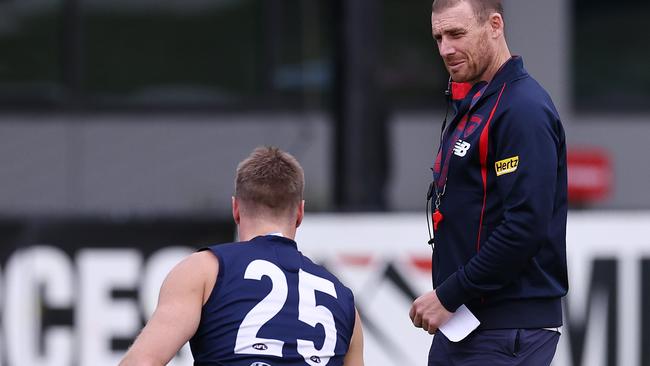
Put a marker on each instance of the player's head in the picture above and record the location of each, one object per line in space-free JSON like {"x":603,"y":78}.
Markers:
{"x":469,"y":34}
{"x":269,"y":185}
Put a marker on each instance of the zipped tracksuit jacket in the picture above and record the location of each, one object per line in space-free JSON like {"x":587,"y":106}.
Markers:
{"x":501,"y":173}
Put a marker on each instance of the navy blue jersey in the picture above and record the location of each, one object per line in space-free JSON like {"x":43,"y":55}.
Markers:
{"x":273,"y":306}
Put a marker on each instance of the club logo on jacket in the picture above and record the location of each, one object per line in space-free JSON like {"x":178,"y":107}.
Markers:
{"x":461,"y":147}
{"x":506,"y":166}
{"x":472,"y":125}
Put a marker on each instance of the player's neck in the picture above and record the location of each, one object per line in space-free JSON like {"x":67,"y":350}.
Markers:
{"x":249,"y":229}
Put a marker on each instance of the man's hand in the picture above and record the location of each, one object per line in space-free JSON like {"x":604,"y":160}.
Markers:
{"x":428,"y":313}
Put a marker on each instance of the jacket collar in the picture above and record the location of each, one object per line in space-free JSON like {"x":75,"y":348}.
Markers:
{"x":511,"y":70}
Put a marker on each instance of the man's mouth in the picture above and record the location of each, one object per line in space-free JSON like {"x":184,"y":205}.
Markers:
{"x":455,"y":65}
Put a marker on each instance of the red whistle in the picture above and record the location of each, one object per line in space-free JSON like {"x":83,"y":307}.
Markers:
{"x":437,"y":217}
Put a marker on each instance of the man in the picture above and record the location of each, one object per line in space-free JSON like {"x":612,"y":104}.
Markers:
{"x":500,"y":200}
{"x":258,"y":302}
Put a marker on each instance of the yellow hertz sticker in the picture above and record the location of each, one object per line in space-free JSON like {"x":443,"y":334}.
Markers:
{"x":506,"y":166}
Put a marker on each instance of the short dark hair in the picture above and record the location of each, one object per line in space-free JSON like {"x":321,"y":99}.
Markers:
{"x":270,"y":180}
{"x":482,"y":8}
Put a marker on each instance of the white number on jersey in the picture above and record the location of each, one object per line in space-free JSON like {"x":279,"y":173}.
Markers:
{"x":312,"y":314}
{"x":247,"y":341}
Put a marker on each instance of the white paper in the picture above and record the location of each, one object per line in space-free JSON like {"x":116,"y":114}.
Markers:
{"x":460,"y":325}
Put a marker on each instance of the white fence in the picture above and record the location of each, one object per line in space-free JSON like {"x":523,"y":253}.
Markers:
{"x":384,"y":259}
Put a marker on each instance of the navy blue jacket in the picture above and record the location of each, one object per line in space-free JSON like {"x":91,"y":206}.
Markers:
{"x":500,"y":247}
{"x":273,"y":306}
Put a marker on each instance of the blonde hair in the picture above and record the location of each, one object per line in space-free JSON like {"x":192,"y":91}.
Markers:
{"x":269,"y":180}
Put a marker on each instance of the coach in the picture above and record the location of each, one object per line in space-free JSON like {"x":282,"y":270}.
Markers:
{"x":499,"y":199}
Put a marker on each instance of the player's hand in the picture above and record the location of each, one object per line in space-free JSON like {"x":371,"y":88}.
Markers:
{"x":428,"y":313}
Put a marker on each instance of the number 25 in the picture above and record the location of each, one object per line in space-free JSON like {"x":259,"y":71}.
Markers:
{"x":247,"y":341}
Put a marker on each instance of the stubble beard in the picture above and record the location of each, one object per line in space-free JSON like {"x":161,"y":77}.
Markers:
{"x":485,"y":56}
{"x":476,"y":63}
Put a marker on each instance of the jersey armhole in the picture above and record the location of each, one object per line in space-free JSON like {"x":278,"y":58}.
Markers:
{"x":220,"y":275}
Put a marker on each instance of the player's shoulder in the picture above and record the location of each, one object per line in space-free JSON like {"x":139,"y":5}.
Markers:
{"x":315,"y":268}
{"x":194,"y":273}
{"x":220,"y":250}
{"x":200,"y":262}
{"x":223,"y":246}
{"x":319,"y":270}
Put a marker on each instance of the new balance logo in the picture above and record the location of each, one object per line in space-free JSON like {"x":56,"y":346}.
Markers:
{"x":461,"y":147}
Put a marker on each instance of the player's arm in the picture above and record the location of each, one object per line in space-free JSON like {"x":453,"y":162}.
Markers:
{"x":178,"y":313}
{"x":354,"y":357}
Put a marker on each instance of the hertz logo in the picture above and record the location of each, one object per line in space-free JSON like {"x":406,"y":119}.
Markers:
{"x":506,"y":166}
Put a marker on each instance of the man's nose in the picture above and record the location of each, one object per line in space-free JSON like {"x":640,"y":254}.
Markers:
{"x":446,"y":48}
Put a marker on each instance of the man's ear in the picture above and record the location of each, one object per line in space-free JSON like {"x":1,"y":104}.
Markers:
{"x":235,"y":210}
{"x":301,"y":213}
{"x":496,"y":24}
